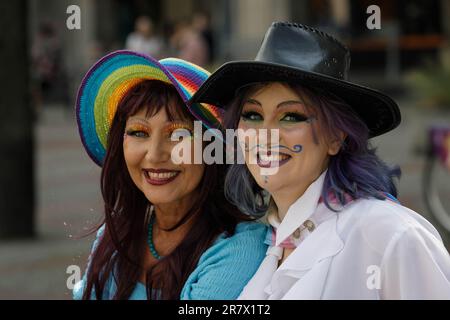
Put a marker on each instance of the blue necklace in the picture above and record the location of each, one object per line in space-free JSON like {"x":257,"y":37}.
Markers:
{"x":151,"y":245}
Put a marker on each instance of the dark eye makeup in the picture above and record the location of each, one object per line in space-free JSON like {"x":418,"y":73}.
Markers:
{"x":251,"y":116}
{"x":294,"y":117}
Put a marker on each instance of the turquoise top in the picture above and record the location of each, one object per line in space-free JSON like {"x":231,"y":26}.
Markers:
{"x":222,"y":271}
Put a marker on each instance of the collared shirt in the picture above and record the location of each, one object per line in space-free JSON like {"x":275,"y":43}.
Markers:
{"x":300,"y":224}
{"x":370,"y":249}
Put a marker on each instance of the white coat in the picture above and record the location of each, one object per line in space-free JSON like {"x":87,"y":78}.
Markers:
{"x":371,"y":249}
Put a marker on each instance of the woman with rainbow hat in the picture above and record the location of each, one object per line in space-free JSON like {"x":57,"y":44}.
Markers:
{"x":168,"y":231}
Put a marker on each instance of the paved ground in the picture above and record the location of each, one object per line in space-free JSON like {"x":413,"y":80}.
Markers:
{"x":69,"y":201}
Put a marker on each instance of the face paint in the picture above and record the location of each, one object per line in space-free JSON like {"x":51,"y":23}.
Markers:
{"x":295,"y":149}
{"x":180,"y":130}
{"x":278,"y":107}
{"x":259,"y":146}
{"x":137,"y":130}
{"x":147,"y":153}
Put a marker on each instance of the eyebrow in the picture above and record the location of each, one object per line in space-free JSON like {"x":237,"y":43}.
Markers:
{"x":281,"y":104}
{"x":143,"y":121}
{"x":139,"y":121}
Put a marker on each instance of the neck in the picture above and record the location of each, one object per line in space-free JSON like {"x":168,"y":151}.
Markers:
{"x":284,"y":198}
{"x":168,"y":215}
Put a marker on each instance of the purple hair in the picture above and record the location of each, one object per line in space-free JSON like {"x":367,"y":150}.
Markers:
{"x":355,"y":171}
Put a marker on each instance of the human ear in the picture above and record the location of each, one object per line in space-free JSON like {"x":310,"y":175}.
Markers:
{"x":336,"y":144}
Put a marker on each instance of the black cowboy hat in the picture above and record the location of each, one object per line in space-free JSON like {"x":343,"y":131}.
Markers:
{"x":293,"y":52}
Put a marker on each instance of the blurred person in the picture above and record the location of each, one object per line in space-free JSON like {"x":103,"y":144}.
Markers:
{"x":337,"y":229}
{"x":201,"y":22}
{"x":143,"y":39}
{"x":46,"y":63}
{"x":188,"y":43}
{"x":168,"y":231}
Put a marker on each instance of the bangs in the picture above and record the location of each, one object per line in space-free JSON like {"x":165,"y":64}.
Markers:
{"x":153,"y":96}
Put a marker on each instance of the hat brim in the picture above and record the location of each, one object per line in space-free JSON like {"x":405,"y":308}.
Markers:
{"x":380,"y":113}
{"x":109,"y":79}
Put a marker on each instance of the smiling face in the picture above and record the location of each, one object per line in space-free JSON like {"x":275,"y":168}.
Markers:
{"x":147,"y":148}
{"x":301,"y":154}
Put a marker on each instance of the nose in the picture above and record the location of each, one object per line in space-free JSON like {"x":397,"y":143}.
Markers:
{"x":157,"y":149}
{"x":271,"y":134}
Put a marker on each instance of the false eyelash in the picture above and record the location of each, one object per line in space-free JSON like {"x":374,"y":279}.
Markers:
{"x":134,"y":133}
{"x":246,"y":115}
{"x":299,"y":116}
{"x":174,"y":126}
{"x":136,"y":128}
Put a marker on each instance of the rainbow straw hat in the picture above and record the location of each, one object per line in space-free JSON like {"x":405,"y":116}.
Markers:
{"x":112,"y":76}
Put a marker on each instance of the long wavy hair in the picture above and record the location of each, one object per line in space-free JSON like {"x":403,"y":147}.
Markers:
{"x":120,"y":251}
{"x":355,"y":171}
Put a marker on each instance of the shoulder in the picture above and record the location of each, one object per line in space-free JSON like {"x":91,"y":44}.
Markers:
{"x":78,"y":289}
{"x":245,"y":249}
{"x":98,"y":237}
{"x":380,"y":222}
{"x":252,"y":229}
{"x":100,"y":231}
{"x":228,"y":264}
{"x":248,"y":237}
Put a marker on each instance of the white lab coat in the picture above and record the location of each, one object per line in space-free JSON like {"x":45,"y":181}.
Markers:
{"x":371,"y":249}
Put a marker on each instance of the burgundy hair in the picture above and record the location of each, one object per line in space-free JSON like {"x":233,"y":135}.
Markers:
{"x":120,"y":251}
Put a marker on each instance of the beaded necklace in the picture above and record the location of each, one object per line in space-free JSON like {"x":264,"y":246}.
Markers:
{"x":151,"y":245}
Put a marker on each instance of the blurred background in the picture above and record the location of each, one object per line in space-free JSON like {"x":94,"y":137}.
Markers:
{"x":49,"y":188}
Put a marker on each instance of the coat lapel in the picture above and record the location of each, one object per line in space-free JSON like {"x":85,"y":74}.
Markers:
{"x":303,"y":273}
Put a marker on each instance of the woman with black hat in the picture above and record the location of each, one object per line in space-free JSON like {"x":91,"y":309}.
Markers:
{"x":338,"y":231}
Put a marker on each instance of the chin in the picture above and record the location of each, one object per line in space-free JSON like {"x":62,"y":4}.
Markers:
{"x":274,"y":182}
{"x":159,"y":197}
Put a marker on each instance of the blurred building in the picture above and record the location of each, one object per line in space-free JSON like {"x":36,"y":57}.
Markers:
{"x":67,"y":192}
{"x":409,"y":29}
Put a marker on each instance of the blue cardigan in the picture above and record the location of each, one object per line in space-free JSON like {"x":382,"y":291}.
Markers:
{"x":222,"y":271}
